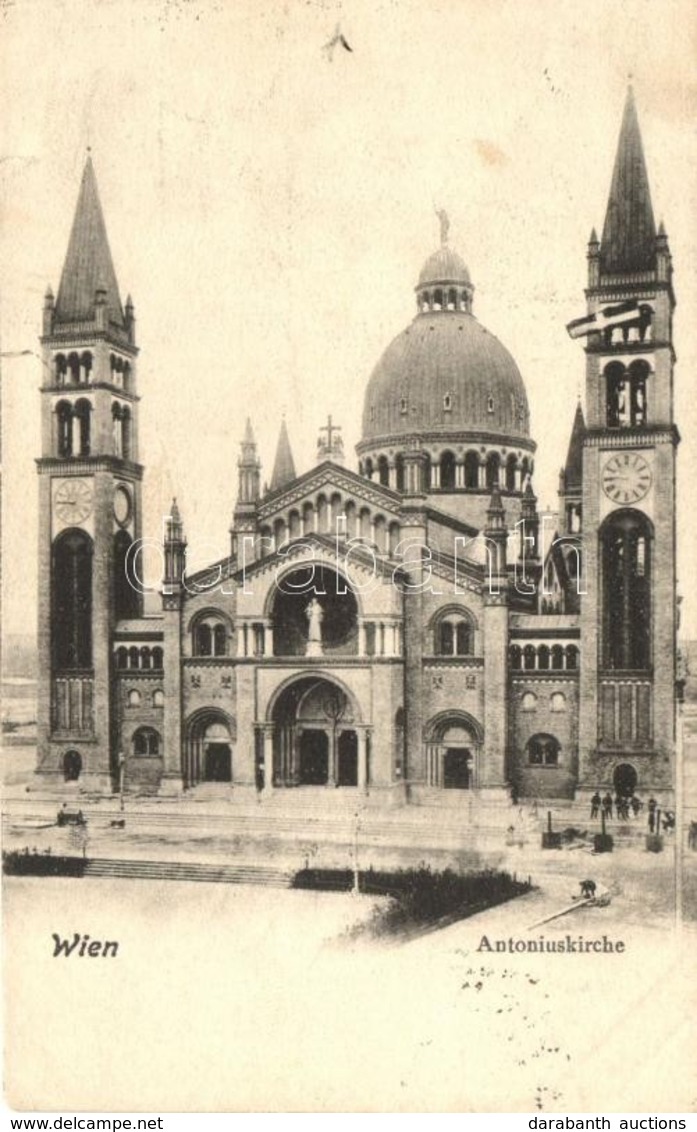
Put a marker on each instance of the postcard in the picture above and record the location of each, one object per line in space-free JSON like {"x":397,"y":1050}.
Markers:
{"x":349,"y":703}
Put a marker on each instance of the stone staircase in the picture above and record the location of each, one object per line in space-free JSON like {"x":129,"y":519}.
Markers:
{"x":186,"y":871}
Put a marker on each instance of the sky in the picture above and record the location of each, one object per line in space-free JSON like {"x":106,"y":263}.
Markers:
{"x":269,"y":207}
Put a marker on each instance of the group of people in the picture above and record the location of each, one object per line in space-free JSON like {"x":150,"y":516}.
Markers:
{"x":622,"y":805}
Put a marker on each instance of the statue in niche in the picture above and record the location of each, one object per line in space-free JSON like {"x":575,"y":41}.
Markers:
{"x":314,"y":614}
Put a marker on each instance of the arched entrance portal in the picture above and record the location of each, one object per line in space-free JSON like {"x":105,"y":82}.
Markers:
{"x":453,"y":740}
{"x":209,"y":748}
{"x":317,"y":740}
{"x":624,"y":779}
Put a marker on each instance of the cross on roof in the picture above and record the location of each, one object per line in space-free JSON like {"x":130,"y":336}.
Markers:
{"x":330,"y":429}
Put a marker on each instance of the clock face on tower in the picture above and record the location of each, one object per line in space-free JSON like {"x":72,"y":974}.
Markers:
{"x":626,"y":477}
{"x":122,"y":505}
{"x":73,"y":501}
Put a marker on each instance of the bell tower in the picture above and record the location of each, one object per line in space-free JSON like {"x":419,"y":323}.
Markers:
{"x":627,"y":491}
{"x":89,"y":500}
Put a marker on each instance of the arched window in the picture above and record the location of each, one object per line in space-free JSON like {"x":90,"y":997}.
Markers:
{"x":64,"y":424}
{"x":557,"y":656}
{"x":145,"y":658}
{"x":543,"y":658}
{"x":471,"y":470}
{"x":462,"y":638}
{"x":426,"y":473}
{"x":74,"y":368}
{"x":529,"y":658}
{"x":122,"y":658}
{"x":203,"y":640}
{"x":543,"y":750}
{"x":452,"y":300}
{"x":625,"y":391}
{"x":528,"y":701}
{"x":511,"y":464}
{"x":60,"y":367}
{"x":447,"y":471}
{"x":493,"y":464}
{"x":134,"y":698}
{"x":126,"y":602}
{"x":210,"y":636}
{"x":446,"y":639}
{"x":454,"y":634}
{"x":158,"y":698}
{"x":515,"y":656}
{"x":393,"y":537}
{"x":71,"y":600}
{"x":571,"y":657}
{"x":146,"y":741}
{"x":86,"y":367}
{"x":293,"y":524}
{"x":133,"y":657}
{"x":557,"y":701}
{"x":404,"y":406}
{"x":638,"y":373}
{"x":626,"y":571}
{"x":157,"y":657}
{"x":126,"y":433}
{"x":117,"y":430}
{"x":82,"y":412}
{"x":448,"y":403}
{"x":383,"y":471}
{"x":438,"y":300}
{"x":399,"y":472}
{"x":368,"y":469}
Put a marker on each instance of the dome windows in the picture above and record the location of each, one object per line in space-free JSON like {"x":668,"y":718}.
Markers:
{"x":404,"y":406}
{"x":448,"y":403}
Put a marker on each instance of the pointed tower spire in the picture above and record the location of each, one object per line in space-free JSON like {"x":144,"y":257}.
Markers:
{"x":573,"y":468}
{"x":88,"y":266}
{"x":629,"y":232}
{"x":284,"y":465}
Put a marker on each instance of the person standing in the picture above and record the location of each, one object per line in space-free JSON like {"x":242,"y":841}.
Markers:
{"x":596,"y":801}
{"x":607,"y":805}
{"x":652,"y":813}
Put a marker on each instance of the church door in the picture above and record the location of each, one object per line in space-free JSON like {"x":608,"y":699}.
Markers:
{"x":72,"y":765}
{"x":347,"y":750}
{"x":456,"y":768}
{"x":624,"y":780}
{"x":314,"y":758}
{"x":218,"y":763}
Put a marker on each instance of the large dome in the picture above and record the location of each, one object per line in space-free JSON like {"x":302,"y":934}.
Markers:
{"x":446,"y":373}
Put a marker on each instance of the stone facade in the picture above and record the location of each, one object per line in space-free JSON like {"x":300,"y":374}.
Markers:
{"x":414,"y":631}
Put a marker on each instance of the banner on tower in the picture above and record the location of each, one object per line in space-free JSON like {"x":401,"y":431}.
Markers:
{"x":615,"y":315}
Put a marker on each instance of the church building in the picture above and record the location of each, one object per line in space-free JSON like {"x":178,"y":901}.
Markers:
{"x":411,"y":629}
